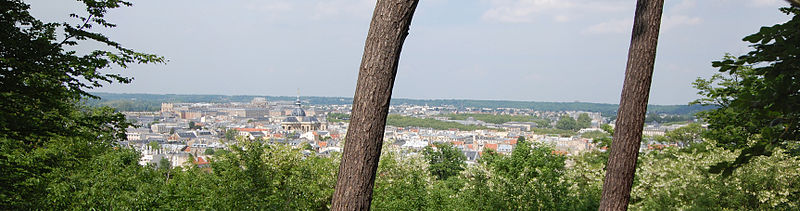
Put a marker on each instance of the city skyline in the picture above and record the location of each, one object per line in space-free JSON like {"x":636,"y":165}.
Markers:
{"x":544,"y":51}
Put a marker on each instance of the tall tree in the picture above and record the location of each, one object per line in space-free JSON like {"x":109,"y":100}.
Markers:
{"x":49,"y":141}
{"x":566,"y":123}
{"x":584,"y":121}
{"x":758,"y":106}
{"x":445,"y":161}
{"x":387,"y":32}
{"x":633,"y":105}
{"x":42,"y":77}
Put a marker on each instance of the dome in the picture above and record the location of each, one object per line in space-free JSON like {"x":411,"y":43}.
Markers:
{"x":290,"y":120}
{"x":310,"y":119}
{"x":298,"y":112}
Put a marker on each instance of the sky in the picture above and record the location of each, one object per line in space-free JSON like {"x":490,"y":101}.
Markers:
{"x":526,"y":50}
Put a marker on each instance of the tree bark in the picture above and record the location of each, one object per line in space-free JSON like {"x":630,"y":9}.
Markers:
{"x":387,"y":32}
{"x":632,"y":106}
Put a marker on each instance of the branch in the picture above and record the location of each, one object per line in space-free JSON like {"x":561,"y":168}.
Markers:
{"x":85,"y":23}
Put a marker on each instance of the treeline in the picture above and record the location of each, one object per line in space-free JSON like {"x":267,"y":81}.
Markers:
{"x":126,"y":105}
{"x":499,"y":119}
{"x":405,"y":121}
{"x":605,"y":109}
{"x":668,"y":118}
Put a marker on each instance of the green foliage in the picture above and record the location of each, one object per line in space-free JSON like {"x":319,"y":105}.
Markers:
{"x":64,"y":174}
{"x":194,"y":126}
{"x":683,"y":136}
{"x":584,"y":121}
{"x":675,"y":180}
{"x":445,"y":161}
{"x":31,"y":166}
{"x":405,"y":121}
{"x":256,"y":176}
{"x":126,"y":104}
{"x":230,"y":134}
{"x":42,"y":80}
{"x":605,"y":141}
{"x":307,"y":146}
{"x":499,"y":119}
{"x":338,"y":117}
{"x":678,"y":179}
{"x":757,"y":99}
{"x":528,"y":179}
{"x":567,"y":123}
{"x":209,"y":151}
{"x":554,"y":131}
{"x":586,"y":179}
{"x":164,"y":164}
{"x":667,"y":118}
{"x":595,"y":135}
{"x":154,"y":145}
{"x":401,"y":183}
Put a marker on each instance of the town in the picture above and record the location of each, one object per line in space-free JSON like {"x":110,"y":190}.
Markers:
{"x":183,"y":134}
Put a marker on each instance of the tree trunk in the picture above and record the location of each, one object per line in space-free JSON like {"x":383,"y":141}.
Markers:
{"x":387,"y":31}
{"x":632,"y":106}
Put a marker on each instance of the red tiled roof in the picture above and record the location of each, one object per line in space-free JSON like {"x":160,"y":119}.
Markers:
{"x":511,"y":142}
{"x":491,"y":146}
{"x":200,"y":161}
{"x":250,"y":129}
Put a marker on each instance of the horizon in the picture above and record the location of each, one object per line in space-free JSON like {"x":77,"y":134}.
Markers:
{"x":404,"y":98}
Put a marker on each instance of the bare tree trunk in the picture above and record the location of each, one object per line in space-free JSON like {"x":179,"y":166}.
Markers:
{"x":632,"y":106}
{"x":387,"y":31}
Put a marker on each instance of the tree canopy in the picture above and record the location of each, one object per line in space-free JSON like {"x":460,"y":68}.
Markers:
{"x":50,"y":143}
{"x":444,"y":161}
{"x":757,"y":95}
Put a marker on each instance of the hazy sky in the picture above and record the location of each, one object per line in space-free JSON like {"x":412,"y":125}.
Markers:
{"x":531,"y":50}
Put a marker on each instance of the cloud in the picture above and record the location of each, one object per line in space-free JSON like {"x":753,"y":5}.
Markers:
{"x":670,"y":22}
{"x":762,"y":3}
{"x":522,"y":10}
{"x":335,"y":8}
{"x":311,"y":10}
{"x":621,"y":26}
{"x":525,"y":11}
{"x":683,"y":6}
{"x":618,"y":26}
{"x":270,"y":6}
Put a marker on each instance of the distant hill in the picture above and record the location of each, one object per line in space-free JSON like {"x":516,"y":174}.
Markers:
{"x":152,"y":102}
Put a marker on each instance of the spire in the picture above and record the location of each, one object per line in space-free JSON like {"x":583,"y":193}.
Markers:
{"x":299,"y":110}
{"x":298,"y":98}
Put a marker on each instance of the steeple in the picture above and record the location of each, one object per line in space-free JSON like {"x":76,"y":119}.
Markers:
{"x":298,"y":98}
{"x":299,"y":110}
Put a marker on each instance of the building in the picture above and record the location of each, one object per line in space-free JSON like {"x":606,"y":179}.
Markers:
{"x":167,"y":107}
{"x":298,"y":121}
{"x":249,"y":112}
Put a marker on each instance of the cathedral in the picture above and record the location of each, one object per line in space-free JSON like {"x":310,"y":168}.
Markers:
{"x":298,"y":121}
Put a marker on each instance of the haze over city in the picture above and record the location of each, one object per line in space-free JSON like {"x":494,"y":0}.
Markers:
{"x":531,"y":50}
